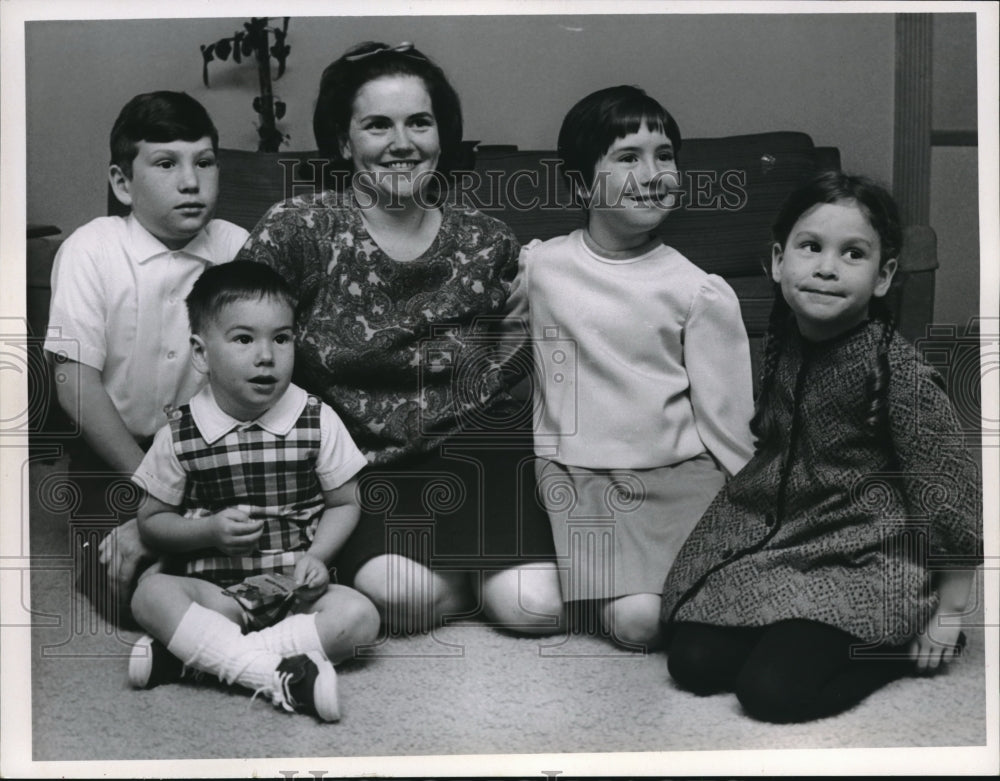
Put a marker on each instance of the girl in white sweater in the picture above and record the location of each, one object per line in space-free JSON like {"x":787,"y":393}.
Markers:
{"x":645,"y":391}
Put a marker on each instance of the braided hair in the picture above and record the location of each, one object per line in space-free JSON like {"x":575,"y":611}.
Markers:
{"x":880,"y":209}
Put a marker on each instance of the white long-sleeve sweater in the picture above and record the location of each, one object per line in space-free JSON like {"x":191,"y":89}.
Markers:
{"x":642,"y":361}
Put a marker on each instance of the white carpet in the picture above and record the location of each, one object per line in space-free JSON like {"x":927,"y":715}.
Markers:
{"x":464,"y":690}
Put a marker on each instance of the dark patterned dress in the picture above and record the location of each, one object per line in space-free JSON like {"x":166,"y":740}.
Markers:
{"x":862,"y":523}
{"x":409,"y":356}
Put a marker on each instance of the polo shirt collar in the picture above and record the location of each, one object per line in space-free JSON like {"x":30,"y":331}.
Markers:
{"x":146,"y":246}
{"x":213,"y":423}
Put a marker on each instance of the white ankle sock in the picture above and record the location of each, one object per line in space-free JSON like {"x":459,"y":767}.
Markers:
{"x":210,"y":642}
{"x":296,"y":634}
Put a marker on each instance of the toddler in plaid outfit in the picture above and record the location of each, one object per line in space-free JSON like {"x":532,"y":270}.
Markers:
{"x":253,"y":476}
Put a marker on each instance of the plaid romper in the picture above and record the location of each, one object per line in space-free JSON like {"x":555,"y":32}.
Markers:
{"x":263,"y":474}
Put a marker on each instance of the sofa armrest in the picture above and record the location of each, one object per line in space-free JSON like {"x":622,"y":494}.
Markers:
{"x":918,"y":265}
{"x":39,"y":257}
{"x":47,"y":423}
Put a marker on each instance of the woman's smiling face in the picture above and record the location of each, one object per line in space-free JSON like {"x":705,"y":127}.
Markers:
{"x":393,"y":136}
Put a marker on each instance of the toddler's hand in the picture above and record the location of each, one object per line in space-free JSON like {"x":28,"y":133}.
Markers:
{"x":312,"y":578}
{"x":235,"y":532}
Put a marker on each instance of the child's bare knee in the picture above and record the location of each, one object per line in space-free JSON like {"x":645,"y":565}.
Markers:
{"x":147,"y":590}
{"x":360,"y":616}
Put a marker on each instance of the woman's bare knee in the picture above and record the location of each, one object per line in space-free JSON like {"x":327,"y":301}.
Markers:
{"x":409,"y":596}
{"x":633,"y":621}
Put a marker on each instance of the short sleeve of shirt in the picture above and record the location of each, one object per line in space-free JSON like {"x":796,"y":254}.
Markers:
{"x":160,"y":473}
{"x":339,"y":458}
{"x":79,"y":305}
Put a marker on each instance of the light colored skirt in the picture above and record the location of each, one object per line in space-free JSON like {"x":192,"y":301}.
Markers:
{"x":617,"y":531}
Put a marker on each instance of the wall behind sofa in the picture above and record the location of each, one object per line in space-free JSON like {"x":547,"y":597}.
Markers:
{"x":829,"y":75}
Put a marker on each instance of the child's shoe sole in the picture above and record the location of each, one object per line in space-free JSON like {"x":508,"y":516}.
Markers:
{"x":151,"y":664}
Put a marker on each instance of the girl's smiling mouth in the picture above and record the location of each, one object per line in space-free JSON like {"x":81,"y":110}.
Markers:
{"x":820,"y":292}
{"x":654,"y":200}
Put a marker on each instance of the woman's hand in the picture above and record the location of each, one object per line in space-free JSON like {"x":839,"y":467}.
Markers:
{"x":311,"y":578}
{"x":234,"y":532}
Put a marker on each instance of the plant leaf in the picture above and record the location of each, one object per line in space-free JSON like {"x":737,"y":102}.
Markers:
{"x":207,"y":55}
{"x":223,"y":48}
{"x":280,"y":53}
{"x":279,"y":109}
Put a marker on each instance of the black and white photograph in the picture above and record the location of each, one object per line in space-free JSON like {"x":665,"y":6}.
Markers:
{"x":517,"y":389}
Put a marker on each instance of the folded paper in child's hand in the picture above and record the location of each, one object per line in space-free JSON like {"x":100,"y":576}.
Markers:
{"x":259,"y":592}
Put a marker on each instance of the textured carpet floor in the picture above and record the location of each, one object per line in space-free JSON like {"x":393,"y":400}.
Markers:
{"x":465,"y":689}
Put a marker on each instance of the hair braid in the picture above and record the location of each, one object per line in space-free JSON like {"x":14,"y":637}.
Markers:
{"x":762,"y":425}
{"x":877,"y":381}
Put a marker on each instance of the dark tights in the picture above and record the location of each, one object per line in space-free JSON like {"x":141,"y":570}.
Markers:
{"x":790,"y":671}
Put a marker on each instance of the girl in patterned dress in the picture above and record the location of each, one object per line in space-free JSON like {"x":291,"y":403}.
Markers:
{"x":398,"y":290}
{"x":841,"y":556}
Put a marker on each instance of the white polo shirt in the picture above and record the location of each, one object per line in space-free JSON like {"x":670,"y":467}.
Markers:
{"x":118,"y":306}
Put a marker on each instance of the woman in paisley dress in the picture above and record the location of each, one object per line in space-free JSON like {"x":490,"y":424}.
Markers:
{"x":400,"y":293}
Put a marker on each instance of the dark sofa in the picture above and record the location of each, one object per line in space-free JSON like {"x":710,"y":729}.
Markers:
{"x":732,"y":188}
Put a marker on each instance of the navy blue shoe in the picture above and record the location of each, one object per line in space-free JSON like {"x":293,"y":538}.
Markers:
{"x":307,"y":683}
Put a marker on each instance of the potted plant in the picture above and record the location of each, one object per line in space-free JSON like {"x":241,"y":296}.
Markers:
{"x":254,"y":41}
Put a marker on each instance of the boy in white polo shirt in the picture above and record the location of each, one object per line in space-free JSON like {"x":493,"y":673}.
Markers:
{"x":118,"y":319}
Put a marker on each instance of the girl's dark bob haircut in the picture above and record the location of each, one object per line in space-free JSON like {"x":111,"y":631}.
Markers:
{"x":366,"y":62}
{"x":600,"y":119}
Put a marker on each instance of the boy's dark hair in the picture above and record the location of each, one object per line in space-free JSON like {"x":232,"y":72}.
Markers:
{"x":879,"y":207}
{"x":158,"y":117}
{"x":598,"y":120}
{"x":226,"y":283}
{"x":366,"y":62}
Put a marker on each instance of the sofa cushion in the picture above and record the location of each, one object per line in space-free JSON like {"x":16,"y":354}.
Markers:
{"x":733,"y":188}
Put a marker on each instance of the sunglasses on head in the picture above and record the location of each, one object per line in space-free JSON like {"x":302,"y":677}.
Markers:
{"x":405,"y":48}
